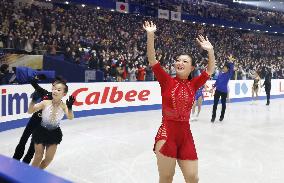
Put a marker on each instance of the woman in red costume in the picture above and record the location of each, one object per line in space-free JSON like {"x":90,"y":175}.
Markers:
{"x":174,"y":141}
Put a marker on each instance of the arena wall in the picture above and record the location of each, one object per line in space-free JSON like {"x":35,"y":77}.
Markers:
{"x":113,"y":97}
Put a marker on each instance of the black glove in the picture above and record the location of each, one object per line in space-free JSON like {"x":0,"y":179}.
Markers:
{"x":35,"y":96}
{"x":70,"y":102}
{"x":34,"y":84}
{"x":42,"y":92}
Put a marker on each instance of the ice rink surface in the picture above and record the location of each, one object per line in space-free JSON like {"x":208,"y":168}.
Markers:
{"x":247,"y":147}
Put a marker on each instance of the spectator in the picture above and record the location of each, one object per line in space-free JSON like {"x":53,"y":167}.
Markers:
{"x":141,"y":73}
{"x":35,"y":28}
{"x":131,"y":73}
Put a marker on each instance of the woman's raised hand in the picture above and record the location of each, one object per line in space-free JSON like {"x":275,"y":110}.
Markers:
{"x":150,"y":27}
{"x":204,"y":43}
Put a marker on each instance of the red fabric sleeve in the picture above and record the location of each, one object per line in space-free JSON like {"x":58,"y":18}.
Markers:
{"x":199,"y":81}
{"x":162,"y":76}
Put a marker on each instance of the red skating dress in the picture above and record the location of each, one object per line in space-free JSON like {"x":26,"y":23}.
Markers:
{"x":177,"y":100}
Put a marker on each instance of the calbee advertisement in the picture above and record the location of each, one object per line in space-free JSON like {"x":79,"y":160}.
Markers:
{"x":14,"y":99}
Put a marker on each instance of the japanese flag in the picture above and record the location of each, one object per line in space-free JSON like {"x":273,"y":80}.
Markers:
{"x":122,"y":7}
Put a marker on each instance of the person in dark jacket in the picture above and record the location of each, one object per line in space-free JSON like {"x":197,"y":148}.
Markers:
{"x":267,"y":85}
{"x":4,"y":74}
{"x":221,"y":86}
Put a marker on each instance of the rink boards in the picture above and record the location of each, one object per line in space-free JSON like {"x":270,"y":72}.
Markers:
{"x":112,"y":97}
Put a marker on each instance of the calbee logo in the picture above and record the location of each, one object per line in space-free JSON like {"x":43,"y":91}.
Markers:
{"x":109,"y":95}
{"x":13,"y":103}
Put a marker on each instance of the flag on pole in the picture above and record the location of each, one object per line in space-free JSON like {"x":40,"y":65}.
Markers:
{"x":122,"y":7}
{"x":175,"y":16}
{"x":163,"y":14}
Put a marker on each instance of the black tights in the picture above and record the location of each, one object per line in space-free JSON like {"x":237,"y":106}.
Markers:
{"x":217,"y":96}
{"x":20,"y":149}
{"x":267,"y":91}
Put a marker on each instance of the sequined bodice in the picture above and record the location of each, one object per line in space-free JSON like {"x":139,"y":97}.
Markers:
{"x":199,"y":91}
{"x":255,"y":81}
{"x":51,"y":116}
{"x":177,"y":94}
{"x":178,"y":100}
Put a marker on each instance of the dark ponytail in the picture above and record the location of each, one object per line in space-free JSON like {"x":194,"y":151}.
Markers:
{"x":191,"y":75}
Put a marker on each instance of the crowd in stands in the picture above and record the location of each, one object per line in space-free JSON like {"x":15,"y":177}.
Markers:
{"x":234,"y":13}
{"x":115,"y":43}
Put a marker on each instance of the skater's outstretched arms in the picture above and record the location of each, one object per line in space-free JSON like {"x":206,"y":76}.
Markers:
{"x":150,"y":28}
{"x":206,"y":45}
